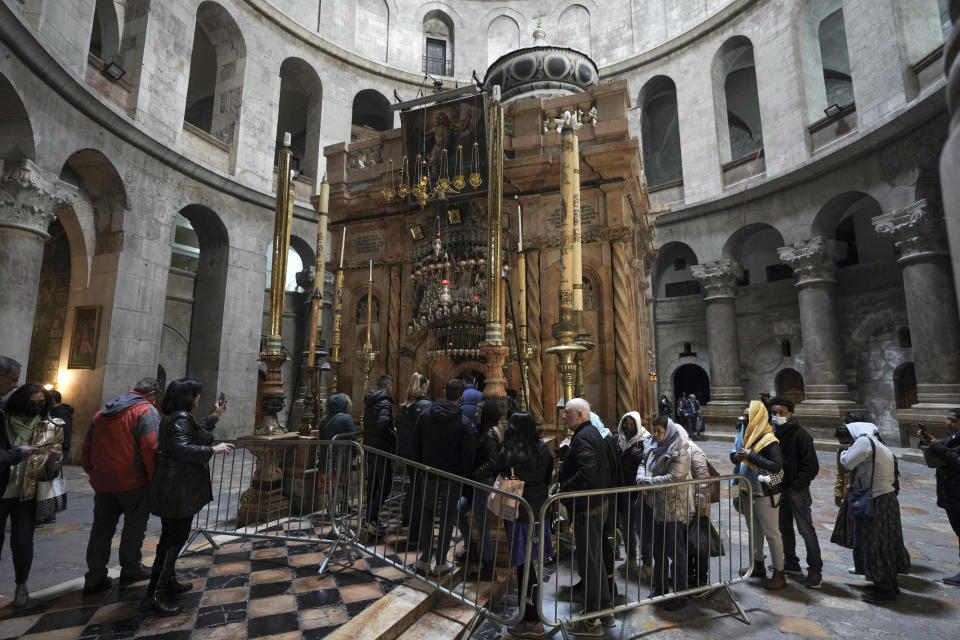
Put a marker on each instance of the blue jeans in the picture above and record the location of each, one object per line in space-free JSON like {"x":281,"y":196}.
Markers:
{"x":795,"y":507}
{"x":479,"y":508}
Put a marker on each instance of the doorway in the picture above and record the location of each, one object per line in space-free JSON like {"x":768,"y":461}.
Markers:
{"x":789,"y":384}
{"x":691,"y":378}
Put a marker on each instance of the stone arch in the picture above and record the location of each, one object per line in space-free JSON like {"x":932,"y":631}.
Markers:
{"x":439,"y":43}
{"x":905,"y":385}
{"x":50,"y":316}
{"x":847,"y":218}
{"x":736,"y":100}
{"x":105,"y":31}
{"x":97,"y":176}
{"x":298,"y":112}
{"x":206,"y":325}
{"x":16,"y":132}
{"x":370,"y":112}
{"x":691,"y":378}
{"x":789,"y":383}
{"x":299,"y":257}
{"x":821,"y":42}
{"x":217,"y":64}
{"x":573,"y":28}
{"x":660,"y":132}
{"x":754,"y":247}
{"x":503,"y":36}
{"x":373,"y":25}
{"x":672,"y":276}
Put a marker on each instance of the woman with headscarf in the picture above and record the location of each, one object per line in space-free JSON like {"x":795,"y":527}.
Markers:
{"x":632,"y":440}
{"x":757,"y":455}
{"x":878,"y":537}
{"x":668,"y":461}
{"x":39,"y":440}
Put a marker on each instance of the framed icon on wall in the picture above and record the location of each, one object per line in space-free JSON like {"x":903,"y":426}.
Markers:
{"x":83,"y":344}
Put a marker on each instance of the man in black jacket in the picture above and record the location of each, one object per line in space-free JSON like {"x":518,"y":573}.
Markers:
{"x":444,"y":439}
{"x":586,"y":467}
{"x":945,"y":456}
{"x":800,"y":467}
{"x":379,"y":433}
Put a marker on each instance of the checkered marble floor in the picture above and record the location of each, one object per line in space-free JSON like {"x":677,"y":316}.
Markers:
{"x":264,"y":588}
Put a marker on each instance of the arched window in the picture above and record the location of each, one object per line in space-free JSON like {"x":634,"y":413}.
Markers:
{"x":835,"y":60}
{"x":215,"y":88}
{"x":754,"y":247}
{"x":105,"y":33}
{"x":371,"y":113}
{"x":574,"y":28}
{"x":294,"y":266}
{"x":946,"y":24}
{"x":503,"y":36}
{"x":438,"y":44}
{"x":660,"y":131}
{"x":299,"y":114}
{"x":673,"y":277}
{"x":373,"y":29}
{"x":737,"y":103}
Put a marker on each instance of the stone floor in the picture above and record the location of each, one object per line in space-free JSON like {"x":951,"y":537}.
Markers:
{"x":268,"y":588}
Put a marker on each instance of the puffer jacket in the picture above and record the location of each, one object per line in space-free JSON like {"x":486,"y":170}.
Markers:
{"x":407,"y":425}
{"x":674,"y":504}
{"x":181,"y":484}
{"x":39,"y":466}
{"x":336,"y":422}
{"x":378,"y":429}
{"x":445,"y":439}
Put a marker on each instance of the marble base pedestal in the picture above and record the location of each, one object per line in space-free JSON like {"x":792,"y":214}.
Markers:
{"x":300,"y":477}
{"x":264,"y":500}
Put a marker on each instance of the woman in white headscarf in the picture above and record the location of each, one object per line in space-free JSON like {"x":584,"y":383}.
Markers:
{"x":632,"y":440}
{"x":877,"y":537}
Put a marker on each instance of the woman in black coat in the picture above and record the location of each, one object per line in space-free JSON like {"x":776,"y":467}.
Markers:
{"x":181,"y":485}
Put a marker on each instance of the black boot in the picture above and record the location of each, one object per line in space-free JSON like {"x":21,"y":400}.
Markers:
{"x":175,"y":588}
{"x":156,"y":598}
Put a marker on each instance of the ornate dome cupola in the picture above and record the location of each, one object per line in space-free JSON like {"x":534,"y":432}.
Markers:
{"x":541,"y":71}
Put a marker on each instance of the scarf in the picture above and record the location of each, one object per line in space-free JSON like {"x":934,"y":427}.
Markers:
{"x":642,"y":434}
{"x":758,"y":434}
{"x":20,"y":432}
{"x":670,"y":442}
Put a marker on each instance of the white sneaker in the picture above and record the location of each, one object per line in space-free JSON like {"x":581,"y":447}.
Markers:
{"x":443,"y":568}
{"x":853,"y":571}
{"x":423,"y":567}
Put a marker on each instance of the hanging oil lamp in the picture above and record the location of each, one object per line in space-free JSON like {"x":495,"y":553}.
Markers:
{"x":475,"y":179}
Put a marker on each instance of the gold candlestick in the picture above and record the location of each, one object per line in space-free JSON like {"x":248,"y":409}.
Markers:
{"x":368,"y":354}
{"x":310,"y":409}
{"x":336,"y":358}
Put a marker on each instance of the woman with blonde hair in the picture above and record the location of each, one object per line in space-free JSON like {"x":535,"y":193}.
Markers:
{"x":416,"y":402}
{"x":757,"y":455}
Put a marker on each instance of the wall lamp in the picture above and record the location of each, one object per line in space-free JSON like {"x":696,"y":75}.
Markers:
{"x":832,"y":111}
{"x":114,"y":71}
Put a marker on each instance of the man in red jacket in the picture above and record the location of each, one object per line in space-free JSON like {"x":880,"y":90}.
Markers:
{"x":119,"y":455}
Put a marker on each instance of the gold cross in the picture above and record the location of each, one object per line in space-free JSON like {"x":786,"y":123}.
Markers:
{"x":538,"y":18}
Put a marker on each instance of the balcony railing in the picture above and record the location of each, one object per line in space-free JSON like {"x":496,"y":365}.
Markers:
{"x":437,"y":66}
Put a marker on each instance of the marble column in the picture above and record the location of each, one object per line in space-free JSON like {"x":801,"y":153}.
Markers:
{"x":718,"y":280}
{"x":29,"y":200}
{"x":812,"y":262}
{"x":950,"y":156}
{"x":919,"y":234}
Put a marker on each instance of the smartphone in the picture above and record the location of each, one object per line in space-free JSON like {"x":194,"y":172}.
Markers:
{"x":222,"y":398}
{"x":922,"y":426}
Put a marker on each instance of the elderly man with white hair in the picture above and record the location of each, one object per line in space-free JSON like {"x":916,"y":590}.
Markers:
{"x":587,"y":467}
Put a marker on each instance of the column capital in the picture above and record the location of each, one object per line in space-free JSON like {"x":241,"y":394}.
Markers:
{"x":812,"y":260}
{"x":31,"y":196}
{"x":718,"y":278}
{"x":918,"y":231}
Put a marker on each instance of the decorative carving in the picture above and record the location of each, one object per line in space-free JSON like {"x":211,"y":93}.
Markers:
{"x":812,"y":261}
{"x":624,"y":324}
{"x":718,"y":278}
{"x":362,"y":310}
{"x":30,"y":196}
{"x":533,"y":333}
{"x":918,"y":231}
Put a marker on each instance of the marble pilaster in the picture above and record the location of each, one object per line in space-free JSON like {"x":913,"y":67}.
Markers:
{"x":718,"y":281}
{"x":29,"y":200}
{"x":919,"y":235}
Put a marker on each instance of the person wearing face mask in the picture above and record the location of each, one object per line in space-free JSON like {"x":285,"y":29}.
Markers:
{"x":632,"y":440}
{"x":800,"y":467}
{"x":28,"y":424}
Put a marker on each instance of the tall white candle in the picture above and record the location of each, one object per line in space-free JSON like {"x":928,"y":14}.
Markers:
{"x":519,"y":228}
{"x":343,"y":244}
{"x":371,"y":271}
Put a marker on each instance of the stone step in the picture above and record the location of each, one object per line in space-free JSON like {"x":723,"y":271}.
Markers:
{"x":390,"y":616}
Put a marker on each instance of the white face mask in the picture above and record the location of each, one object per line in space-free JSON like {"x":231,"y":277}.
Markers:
{"x":778,"y":420}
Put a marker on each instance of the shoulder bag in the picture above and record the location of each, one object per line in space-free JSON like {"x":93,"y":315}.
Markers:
{"x":502,"y":506}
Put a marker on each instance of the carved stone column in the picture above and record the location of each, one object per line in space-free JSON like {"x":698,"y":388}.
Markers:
{"x":950,"y":156}
{"x":813,"y":265}
{"x":919,"y":233}
{"x":29,"y":200}
{"x":533,"y":333}
{"x":719,"y":282}
{"x":625,"y":324}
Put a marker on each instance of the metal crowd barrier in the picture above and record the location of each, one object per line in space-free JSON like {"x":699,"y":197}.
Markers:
{"x":693,"y":556}
{"x":301,"y":490}
{"x":411,"y":512}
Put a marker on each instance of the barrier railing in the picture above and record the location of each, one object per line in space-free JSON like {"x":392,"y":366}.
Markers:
{"x":411,"y":511}
{"x":295,"y":490}
{"x":692,"y":546}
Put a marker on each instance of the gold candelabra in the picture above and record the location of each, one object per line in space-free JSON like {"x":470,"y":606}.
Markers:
{"x":336,"y":357}
{"x":367,"y":354}
{"x":310,"y":406}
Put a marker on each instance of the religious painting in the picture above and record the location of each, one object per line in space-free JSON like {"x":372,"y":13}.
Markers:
{"x":83,"y":345}
{"x":443,"y":127}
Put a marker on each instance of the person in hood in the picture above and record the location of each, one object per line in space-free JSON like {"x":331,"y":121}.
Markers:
{"x":65,"y":413}
{"x":336,"y":421}
{"x":877,"y":538}
{"x":596,"y":421}
{"x":378,"y":433}
{"x":471,"y":397}
{"x":119,"y":456}
{"x":632,"y":440}
{"x":945,"y":456}
{"x":444,"y":440}
{"x":800,"y":467}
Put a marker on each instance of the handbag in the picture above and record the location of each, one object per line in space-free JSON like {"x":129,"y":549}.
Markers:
{"x":704,"y":539}
{"x":841,"y":529}
{"x":860,"y":500}
{"x":51,"y":496}
{"x":505,"y":507}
